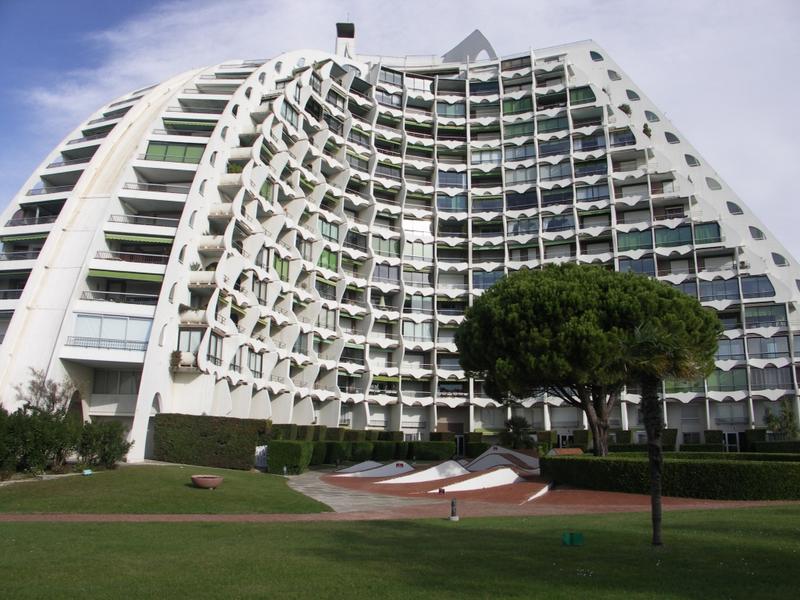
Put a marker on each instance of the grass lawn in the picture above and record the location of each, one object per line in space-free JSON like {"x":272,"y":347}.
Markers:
{"x":157,"y":489}
{"x":744,"y":553}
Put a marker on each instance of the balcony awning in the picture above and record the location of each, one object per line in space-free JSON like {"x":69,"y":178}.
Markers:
{"x":513,"y":246}
{"x":386,"y":378}
{"x":354,"y":346}
{"x":237,"y":309}
{"x":140,"y":239}
{"x":129,"y":275}
{"x":178,"y":123}
{"x":23,"y":238}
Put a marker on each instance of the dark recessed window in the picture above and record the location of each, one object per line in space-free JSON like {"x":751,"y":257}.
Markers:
{"x":713,"y":184}
{"x":613,"y":75}
{"x":691,"y":160}
{"x":596,"y":56}
{"x":779,"y":260}
{"x":757,"y":233}
{"x":734,"y":208}
{"x":671,"y":137}
{"x":632,"y":95}
{"x":651,"y":116}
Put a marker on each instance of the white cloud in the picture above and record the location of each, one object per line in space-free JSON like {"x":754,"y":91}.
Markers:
{"x":722,"y":70}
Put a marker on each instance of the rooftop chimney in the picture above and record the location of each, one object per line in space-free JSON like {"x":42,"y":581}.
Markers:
{"x":346,"y":40}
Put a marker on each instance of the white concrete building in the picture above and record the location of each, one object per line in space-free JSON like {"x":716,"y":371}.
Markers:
{"x":298,"y":238}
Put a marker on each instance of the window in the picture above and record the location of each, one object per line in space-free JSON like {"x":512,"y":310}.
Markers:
{"x":118,"y":332}
{"x":687,"y":287}
{"x":255,"y":362}
{"x":386,"y":247}
{"x":581,"y":95}
{"x":613,"y":75}
{"x":691,"y":160}
{"x":559,"y":171}
{"x":520,"y":176}
{"x":325,"y":290}
{"x":386,"y":273}
{"x":586,"y":143}
{"x":316,"y":83}
{"x":391,"y":77}
{"x":674,"y":237}
{"x":447,"y":179}
{"x":518,"y":129}
{"x":554,"y":124}
{"x":421,"y":332}
{"x":418,"y":251}
{"x":756,"y":233}
{"x":394,"y":100}
{"x":214,"y":355}
{"x":719,"y":289}
{"x":512,"y":107}
{"x":730,"y":349}
{"x":185,"y":153}
{"x":727,"y":381}
{"x":326,"y":318}
{"x":554,"y":147}
{"x":335,"y":99}
{"x":634,"y":240}
{"x":456,"y":203}
{"x":591,"y":168}
{"x":771,"y":378}
{"x":328,"y":230}
{"x":328,"y":260}
{"x":417,"y":278}
{"x":757,"y":286}
{"x":514,"y":153}
{"x":651,"y":116}
{"x":260,"y":290}
{"x":779,"y":260}
{"x":558,"y":223}
{"x":290,"y":114}
{"x":486,"y":156}
{"x":643,"y":266}
{"x":387,"y":171}
{"x":357,"y":162}
{"x":773,"y":315}
{"x":490,"y":204}
{"x":671,"y":137}
{"x":707,"y":233}
{"x":528,"y":199}
{"x":483,"y":280}
{"x":713,"y":184}
{"x":418,"y":303}
{"x":585,"y":193}
{"x":116,"y":382}
{"x":445,"y":109}
{"x":359,"y":137}
{"x":282,"y":267}
{"x":595,"y":56}
{"x":775,"y":347}
{"x":734,"y":208}
{"x":632,"y":95}
{"x":523,"y":226}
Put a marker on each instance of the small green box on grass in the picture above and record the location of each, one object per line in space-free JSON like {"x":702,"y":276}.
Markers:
{"x":572,"y":538}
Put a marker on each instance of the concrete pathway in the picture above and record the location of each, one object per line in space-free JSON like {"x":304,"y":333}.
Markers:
{"x":343,"y":500}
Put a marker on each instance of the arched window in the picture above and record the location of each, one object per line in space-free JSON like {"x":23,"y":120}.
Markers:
{"x":213,"y":158}
{"x":671,"y":137}
{"x":247,"y":92}
{"x":613,"y":75}
{"x":691,"y":160}
{"x":779,"y":260}
{"x":225,"y":132}
{"x":278,"y":66}
{"x":235,"y":110}
{"x":651,"y":116}
{"x":757,"y":233}
{"x":632,"y":95}
{"x":182,"y":254}
{"x":262,"y":77}
{"x":202,"y":188}
{"x":172,"y":291}
{"x":596,"y":56}
{"x":192,"y":219}
{"x":713,"y":184}
{"x":734,"y":209}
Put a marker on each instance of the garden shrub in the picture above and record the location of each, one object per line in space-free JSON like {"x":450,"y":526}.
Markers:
{"x":335,"y":434}
{"x":401,"y":450}
{"x":669,"y":438}
{"x":355,"y":435}
{"x":701,"y":448}
{"x":548,"y":437}
{"x":621,"y":437}
{"x":361,"y":451}
{"x":473,"y":437}
{"x":712,"y":436}
{"x":391,"y":436}
{"x":41,"y":440}
{"x":103,"y":444}
{"x":223,"y":442}
{"x":305,"y":433}
{"x":582,"y":438}
{"x":475,"y":449}
{"x":433,"y":450}
{"x":337,"y":452}
{"x":320,"y":431}
{"x":383,"y":451}
{"x":284,"y":431}
{"x":627,"y":448}
{"x":442,"y":436}
{"x":785,"y":446}
{"x":319,"y":452}
{"x":292,"y":454}
{"x":372,"y":435}
{"x":751,"y":436}
{"x":692,"y":478}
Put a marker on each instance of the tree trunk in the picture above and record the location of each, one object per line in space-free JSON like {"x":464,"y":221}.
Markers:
{"x":654,"y":424}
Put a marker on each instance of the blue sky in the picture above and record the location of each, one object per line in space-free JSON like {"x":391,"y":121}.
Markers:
{"x":723,"y":71}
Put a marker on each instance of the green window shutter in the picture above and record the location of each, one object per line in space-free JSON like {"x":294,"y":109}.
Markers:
{"x":194,"y":153}
{"x":126,"y":275}
{"x":156,"y":151}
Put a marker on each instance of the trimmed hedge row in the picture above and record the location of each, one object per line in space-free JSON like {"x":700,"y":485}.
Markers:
{"x":691,"y":478}
{"x":442,"y":436}
{"x":432,"y":450}
{"x":702,"y":448}
{"x":787,"y":446}
{"x":475,"y":449}
{"x":223,"y":442}
{"x":294,"y":455}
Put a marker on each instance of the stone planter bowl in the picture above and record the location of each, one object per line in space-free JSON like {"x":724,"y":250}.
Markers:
{"x":207,"y":482}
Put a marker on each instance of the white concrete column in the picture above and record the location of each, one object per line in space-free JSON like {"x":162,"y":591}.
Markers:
{"x":546,"y":413}
{"x":584,"y":419}
{"x":751,"y":413}
{"x":623,"y":414}
{"x":708,"y":413}
{"x":664,"y":410}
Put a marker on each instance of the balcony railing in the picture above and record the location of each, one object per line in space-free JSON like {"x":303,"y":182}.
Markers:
{"x":121,"y":297}
{"x":22,"y":255}
{"x":137,"y":257}
{"x":168,"y":188}
{"x":10,"y":294}
{"x":194,"y":109}
{"x":89,"y":342}
{"x":41,"y":220}
{"x":67,"y":162}
{"x":185,"y":132}
{"x":88,"y":138}
{"x":53,"y":189}
{"x":167,"y":158}
{"x":143,"y":220}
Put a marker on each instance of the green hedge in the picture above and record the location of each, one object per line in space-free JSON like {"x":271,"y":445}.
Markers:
{"x":547,"y":437}
{"x":582,"y":438}
{"x":320,"y":450}
{"x":744,"y":456}
{"x":442,"y":436}
{"x":320,"y":431}
{"x":284,"y":431}
{"x":401,"y":450}
{"x":751,"y":436}
{"x":372,"y":435}
{"x":702,"y":448}
{"x":337,"y":452}
{"x":294,"y":455}
{"x":475,"y":449}
{"x":335,"y":434}
{"x":669,"y":438}
{"x":627,"y":448}
{"x":383,"y":451}
{"x":433,"y":450}
{"x":786,"y":446}
{"x":355,"y":435}
{"x":391,"y":436}
{"x":622,"y":437}
{"x":207,"y":441}
{"x":692,"y":478}
{"x":712,"y":436}
{"x":305,"y":433}
{"x":473,"y":437}
{"x":361,"y":451}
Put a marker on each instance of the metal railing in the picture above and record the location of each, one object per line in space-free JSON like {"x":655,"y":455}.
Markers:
{"x":137,"y":257}
{"x":168,"y":188}
{"x":40,"y":220}
{"x":167,"y":158}
{"x":190,"y":109}
{"x":144,"y":220}
{"x":89,"y":342}
{"x":87,"y":138}
{"x":185,"y":132}
{"x":10,"y":294}
{"x":67,"y":162}
{"x":121,"y":297}
{"x":22,"y":255}
{"x":53,"y":189}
